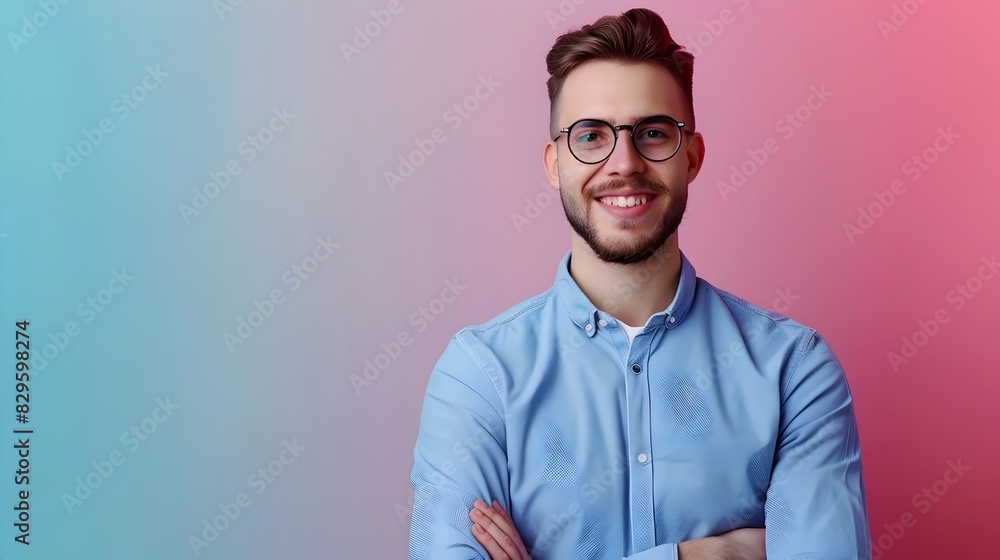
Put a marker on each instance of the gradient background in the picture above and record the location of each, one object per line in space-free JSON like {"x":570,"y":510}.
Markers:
{"x":347,"y":494}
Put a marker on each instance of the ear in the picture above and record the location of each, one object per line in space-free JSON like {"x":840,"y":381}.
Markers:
{"x":550,"y":161}
{"x":695,"y":155}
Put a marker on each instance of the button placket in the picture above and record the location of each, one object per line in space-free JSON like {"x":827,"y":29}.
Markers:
{"x":640,"y":473}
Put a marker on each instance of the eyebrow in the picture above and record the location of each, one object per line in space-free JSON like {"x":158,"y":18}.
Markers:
{"x":630,"y":119}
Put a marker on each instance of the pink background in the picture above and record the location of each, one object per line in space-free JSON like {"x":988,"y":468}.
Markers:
{"x":781,"y":231}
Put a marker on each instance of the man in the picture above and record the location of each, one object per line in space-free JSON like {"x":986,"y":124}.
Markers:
{"x":633,"y":409}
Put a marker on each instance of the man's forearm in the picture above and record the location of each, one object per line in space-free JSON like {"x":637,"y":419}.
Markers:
{"x":741,"y":544}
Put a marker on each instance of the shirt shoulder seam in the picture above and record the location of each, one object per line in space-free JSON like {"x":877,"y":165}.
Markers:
{"x":799,"y":353}
{"x":807,"y":333}
{"x":774,"y":317}
{"x":512,"y":313}
{"x":503,"y":318}
{"x":484,"y":369}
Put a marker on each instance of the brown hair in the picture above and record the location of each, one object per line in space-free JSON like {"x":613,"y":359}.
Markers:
{"x":638,"y":35}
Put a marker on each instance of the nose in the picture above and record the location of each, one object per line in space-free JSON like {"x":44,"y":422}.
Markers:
{"x":624,"y":159}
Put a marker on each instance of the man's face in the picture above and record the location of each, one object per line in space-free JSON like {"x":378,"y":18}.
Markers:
{"x":622,"y":94}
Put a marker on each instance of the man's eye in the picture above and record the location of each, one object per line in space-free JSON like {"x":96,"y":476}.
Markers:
{"x":593,"y":138}
{"x":654,"y":133}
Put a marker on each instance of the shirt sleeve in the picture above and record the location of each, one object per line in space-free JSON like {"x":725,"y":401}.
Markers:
{"x":460,"y":454}
{"x":815,"y":505}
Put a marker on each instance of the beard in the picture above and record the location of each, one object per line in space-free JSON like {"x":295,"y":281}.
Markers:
{"x":639,"y":249}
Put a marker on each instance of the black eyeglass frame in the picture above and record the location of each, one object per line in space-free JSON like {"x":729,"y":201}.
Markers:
{"x":631,"y":133}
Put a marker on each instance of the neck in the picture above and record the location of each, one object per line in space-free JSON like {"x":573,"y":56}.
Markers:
{"x":631,"y":293}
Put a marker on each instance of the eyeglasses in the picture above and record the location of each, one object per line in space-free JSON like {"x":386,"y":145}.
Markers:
{"x":656,"y":138}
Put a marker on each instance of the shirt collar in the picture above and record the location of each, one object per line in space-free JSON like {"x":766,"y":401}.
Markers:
{"x":585,"y":314}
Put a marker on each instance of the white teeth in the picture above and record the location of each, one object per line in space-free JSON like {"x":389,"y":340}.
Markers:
{"x":623,"y":202}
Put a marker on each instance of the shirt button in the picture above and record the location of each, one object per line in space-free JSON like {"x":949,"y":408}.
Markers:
{"x":636,"y":369}
{"x":673,"y":319}
{"x":603,"y":323}
{"x":589,"y":327}
{"x":642,"y":458}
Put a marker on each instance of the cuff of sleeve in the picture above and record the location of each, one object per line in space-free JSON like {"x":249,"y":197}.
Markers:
{"x":666,"y":551}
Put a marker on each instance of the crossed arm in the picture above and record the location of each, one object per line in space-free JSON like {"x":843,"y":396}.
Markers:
{"x":493,"y":528}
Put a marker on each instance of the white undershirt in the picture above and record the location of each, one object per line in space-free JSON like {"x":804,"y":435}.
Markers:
{"x":631,"y":331}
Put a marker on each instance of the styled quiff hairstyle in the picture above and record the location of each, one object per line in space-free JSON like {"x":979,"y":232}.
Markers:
{"x":638,"y":35}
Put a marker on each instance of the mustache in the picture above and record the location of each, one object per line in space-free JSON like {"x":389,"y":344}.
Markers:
{"x":632,"y":183}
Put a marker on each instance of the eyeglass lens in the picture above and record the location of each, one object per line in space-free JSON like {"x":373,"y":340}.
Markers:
{"x":593,"y":141}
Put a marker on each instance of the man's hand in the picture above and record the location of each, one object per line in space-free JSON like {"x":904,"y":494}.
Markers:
{"x":494,"y":529}
{"x":739,"y":544}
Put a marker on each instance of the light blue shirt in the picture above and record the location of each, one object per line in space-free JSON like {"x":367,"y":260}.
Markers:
{"x":719,"y":415}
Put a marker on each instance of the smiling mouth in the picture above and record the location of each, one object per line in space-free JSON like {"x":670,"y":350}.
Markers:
{"x":625,"y":201}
